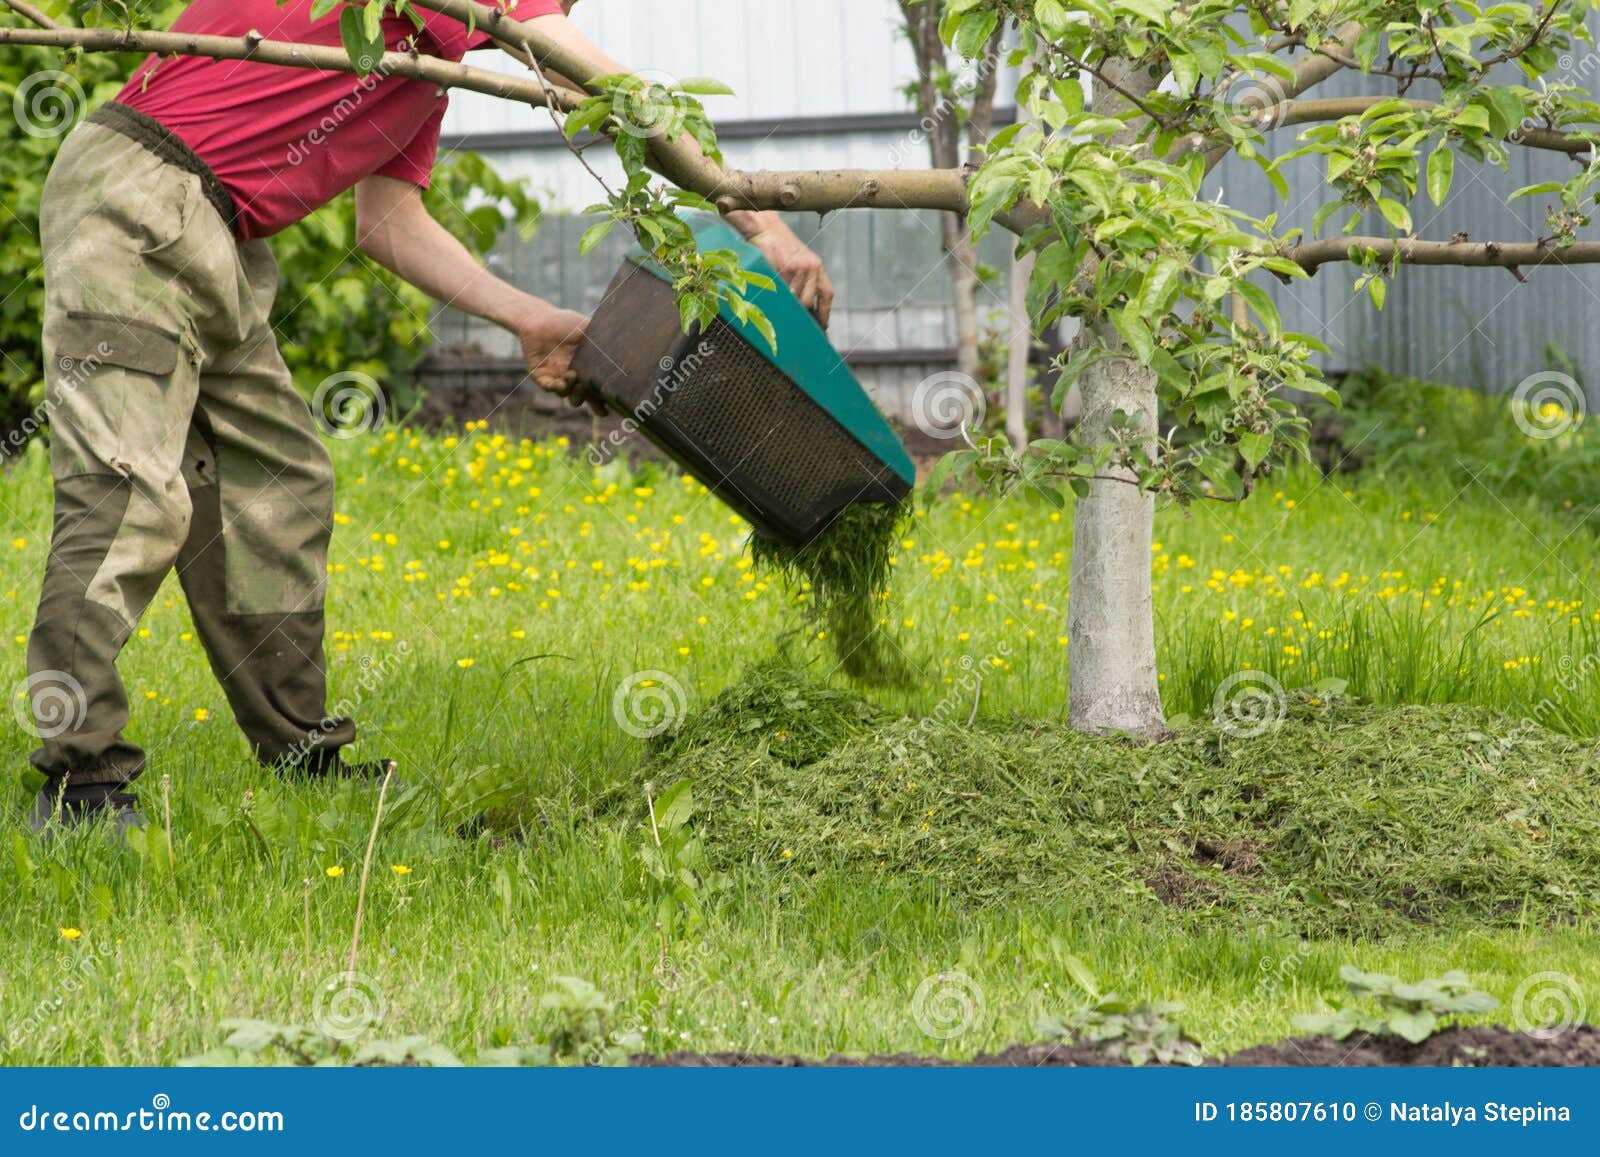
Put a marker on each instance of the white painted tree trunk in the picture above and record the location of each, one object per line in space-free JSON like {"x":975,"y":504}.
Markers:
{"x":1111,"y":648}
{"x":1113,"y":684}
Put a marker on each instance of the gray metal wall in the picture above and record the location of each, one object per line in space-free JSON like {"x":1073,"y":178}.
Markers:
{"x":1470,"y":327}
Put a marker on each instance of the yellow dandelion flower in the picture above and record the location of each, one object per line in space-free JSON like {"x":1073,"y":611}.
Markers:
{"x":201,"y":714}
{"x":70,"y":933}
{"x":333,"y":871}
{"x":400,"y":869}
{"x":465,"y":663}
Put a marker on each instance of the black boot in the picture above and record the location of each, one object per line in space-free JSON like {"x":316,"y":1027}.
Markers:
{"x":323,"y":764}
{"x":64,"y":805}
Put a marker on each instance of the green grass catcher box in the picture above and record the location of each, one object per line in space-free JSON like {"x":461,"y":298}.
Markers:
{"x":786,"y":438}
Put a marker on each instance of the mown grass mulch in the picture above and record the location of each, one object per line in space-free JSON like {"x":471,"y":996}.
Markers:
{"x":1340,"y":819}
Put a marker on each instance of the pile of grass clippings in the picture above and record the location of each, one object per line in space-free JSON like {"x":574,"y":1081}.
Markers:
{"x":847,"y":567}
{"x":1341,"y":820}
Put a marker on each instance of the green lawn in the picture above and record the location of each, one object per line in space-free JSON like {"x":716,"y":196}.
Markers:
{"x":489,"y":599}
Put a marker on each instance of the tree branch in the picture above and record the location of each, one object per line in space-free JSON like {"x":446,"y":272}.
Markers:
{"x":1311,"y":255}
{"x":684,"y":165}
{"x":29,"y":12}
{"x":804,"y":190}
{"x":403,"y":64}
{"x":1299,"y":112}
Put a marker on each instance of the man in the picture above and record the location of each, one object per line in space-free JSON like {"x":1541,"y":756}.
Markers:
{"x":177,"y":437}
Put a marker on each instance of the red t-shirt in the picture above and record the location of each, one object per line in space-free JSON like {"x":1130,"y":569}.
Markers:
{"x":286,"y":141}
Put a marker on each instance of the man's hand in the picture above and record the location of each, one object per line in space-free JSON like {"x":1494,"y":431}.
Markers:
{"x":393,"y":228}
{"x":800,"y":268}
{"x":550,"y":339}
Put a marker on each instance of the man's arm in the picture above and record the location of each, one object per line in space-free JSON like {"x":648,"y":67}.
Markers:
{"x":395,"y":229}
{"x":799,"y":267}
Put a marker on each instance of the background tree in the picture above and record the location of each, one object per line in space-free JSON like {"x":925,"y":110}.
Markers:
{"x":956,"y":107}
{"x":1108,"y":194}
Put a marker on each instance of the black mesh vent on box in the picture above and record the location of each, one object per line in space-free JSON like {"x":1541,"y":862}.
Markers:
{"x":765,"y":436}
{"x":728,"y":415}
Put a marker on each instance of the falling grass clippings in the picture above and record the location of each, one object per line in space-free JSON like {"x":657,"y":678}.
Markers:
{"x":847,"y":568}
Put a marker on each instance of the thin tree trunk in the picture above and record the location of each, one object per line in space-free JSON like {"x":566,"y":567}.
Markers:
{"x":961,"y":258}
{"x":1114,"y":685}
{"x":1019,"y":352}
{"x":942,"y":119}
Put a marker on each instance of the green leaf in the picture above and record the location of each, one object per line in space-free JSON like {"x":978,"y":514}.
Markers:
{"x":1441,"y":170}
{"x":1052,"y":17}
{"x":595,"y":234}
{"x":362,"y":44}
{"x":1261,"y":305}
{"x":1536,"y":189}
{"x":1395,"y":213}
{"x":1161,"y":285}
{"x":703,"y":86}
{"x":1415,"y":1027}
{"x":1254,"y":448}
{"x":675,"y":806}
{"x":1134,"y":330}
